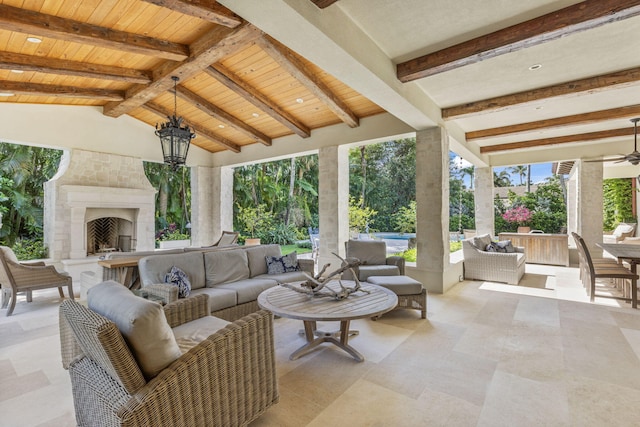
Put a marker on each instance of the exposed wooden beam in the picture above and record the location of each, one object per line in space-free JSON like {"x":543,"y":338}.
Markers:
{"x":199,"y":130}
{"x":35,"y":23}
{"x":323,"y":3}
{"x":213,"y":46}
{"x":534,"y":143}
{"x":561,"y":23}
{"x":18,"y":61}
{"x":251,"y":95}
{"x":208,"y":10}
{"x":617,"y":80}
{"x":294,"y":66}
{"x":37,"y":89}
{"x":573,"y":120}
{"x":221,"y":115}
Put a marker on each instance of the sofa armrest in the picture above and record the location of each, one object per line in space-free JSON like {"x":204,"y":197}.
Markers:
{"x":519,"y":249}
{"x":166,"y":292}
{"x":398,"y":261}
{"x":307,"y":265}
{"x":187,"y":309}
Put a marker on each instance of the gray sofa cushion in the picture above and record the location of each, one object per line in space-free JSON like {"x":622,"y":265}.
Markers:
{"x":249,"y":289}
{"x":218,"y":298}
{"x":293,"y":276}
{"x":377,"y":270}
{"x":482,"y":241}
{"x":225,"y":266}
{"x":257,"y":257}
{"x":153,"y":268}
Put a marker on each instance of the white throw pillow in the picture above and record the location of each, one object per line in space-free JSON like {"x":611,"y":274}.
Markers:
{"x":141,"y":322}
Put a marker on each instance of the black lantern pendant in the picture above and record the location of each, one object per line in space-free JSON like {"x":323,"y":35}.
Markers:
{"x":174,"y":137}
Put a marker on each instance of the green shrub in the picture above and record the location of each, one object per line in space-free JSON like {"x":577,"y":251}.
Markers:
{"x":280,"y":234}
{"x":30,"y":248}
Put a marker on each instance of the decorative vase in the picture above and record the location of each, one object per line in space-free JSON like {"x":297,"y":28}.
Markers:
{"x":251,"y":242}
{"x":524,"y":229}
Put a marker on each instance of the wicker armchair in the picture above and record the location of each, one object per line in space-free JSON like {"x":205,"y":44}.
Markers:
{"x":227,"y":378}
{"x":492,"y":266}
{"x":27,"y":277}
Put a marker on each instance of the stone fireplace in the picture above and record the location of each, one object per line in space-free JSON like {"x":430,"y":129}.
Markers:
{"x":98,"y":203}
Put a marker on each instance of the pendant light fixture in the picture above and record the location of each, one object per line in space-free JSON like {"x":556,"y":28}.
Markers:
{"x":174,"y":136}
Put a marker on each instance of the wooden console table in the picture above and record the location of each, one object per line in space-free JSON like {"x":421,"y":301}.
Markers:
{"x":541,"y":248}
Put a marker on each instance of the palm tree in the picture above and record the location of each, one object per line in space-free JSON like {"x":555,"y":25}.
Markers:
{"x":502,"y":179}
{"x":520,"y":171}
{"x":470,"y":172}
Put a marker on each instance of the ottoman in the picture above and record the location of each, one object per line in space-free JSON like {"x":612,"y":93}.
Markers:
{"x":411,"y":294}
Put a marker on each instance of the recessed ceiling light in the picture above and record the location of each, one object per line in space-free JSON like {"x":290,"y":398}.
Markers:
{"x":221,"y":126}
{"x":34,"y":39}
{"x":299,"y":100}
{"x":539,"y":107}
{"x":535,"y":67}
{"x":6,"y":94}
{"x":17,"y":71}
{"x":256,"y":115}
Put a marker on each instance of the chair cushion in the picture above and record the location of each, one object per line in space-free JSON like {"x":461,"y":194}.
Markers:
{"x":225,"y":266}
{"x":624,"y":230}
{"x":282,"y":264}
{"x":190,"y":334}
{"x":504,"y":247}
{"x":179,"y":278}
{"x":368,"y":252}
{"x":141,"y":322}
{"x":367,"y":271}
{"x":400,"y":285}
{"x":482,"y":241}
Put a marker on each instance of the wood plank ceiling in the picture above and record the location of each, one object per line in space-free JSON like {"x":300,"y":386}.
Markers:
{"x":237,"y":85}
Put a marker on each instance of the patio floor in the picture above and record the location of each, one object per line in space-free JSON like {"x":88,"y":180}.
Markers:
{"x":487,"y":355}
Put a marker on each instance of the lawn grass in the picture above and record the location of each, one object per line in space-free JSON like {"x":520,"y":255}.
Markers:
{"x":286,"y":249}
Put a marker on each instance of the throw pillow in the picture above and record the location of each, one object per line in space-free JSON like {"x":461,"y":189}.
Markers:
{"x":180,"y":279}
{"x":282,"y":264}
{"x":507,"y":246}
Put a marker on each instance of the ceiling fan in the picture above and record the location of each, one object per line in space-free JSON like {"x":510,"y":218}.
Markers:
{"x":634,"y":156}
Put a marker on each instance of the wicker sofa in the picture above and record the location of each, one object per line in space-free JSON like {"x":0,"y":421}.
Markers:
{"x":232,"y":278}
{"x":480,"y":264}
{"x":134,"y":363}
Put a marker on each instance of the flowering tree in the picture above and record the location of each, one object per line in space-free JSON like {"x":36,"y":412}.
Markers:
{"x":519,"y":215}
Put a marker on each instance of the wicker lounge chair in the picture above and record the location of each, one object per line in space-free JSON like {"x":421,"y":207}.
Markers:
{"x":26,"y":277}
{"x":492,"y":266}
{"x":227,"y":378}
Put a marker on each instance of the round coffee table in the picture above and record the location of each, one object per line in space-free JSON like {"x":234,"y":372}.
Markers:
{"x":294,"y":305}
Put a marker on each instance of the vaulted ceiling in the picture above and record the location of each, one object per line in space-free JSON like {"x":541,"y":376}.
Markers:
{"x":514,"y":82}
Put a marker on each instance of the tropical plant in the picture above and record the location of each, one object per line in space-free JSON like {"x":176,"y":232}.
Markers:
{"x":173,"y":197}
{"x":255,"y":220}
{"x":617,"y":198}
{"x":521,"y":171}
{"x":360,"y":219}
{"x":22,"y":195}
{"x":501,"y":179}
{"x":172,"y":232}
{"x":281,"y":234}
{"x":405,"y":219}
{"x":30,"y":248}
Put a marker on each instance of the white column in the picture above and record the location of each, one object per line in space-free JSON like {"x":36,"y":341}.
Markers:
{"x":483,"y":199}
{"x":432,"y":208}
{"x":211,"y":204}
{"x":589,"y":204}
{"x":333,"y":201}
